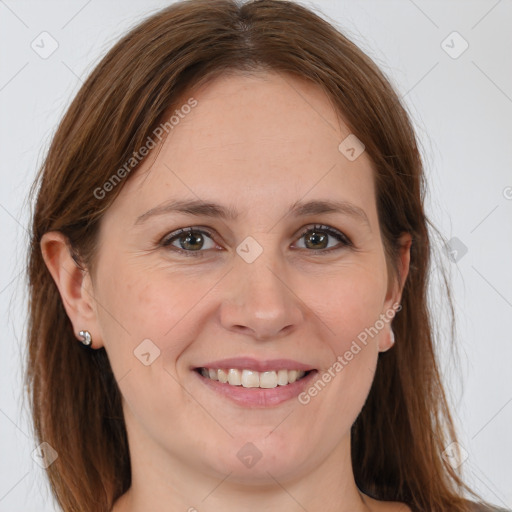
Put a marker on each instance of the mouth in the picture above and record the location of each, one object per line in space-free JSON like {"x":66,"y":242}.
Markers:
{"x":251,"y":378}
{"x":250,"y":388}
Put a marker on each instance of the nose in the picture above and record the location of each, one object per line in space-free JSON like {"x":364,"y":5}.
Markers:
{"x":259,"y":301}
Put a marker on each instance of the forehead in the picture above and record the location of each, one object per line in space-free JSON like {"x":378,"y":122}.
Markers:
{"x":253,"y":140}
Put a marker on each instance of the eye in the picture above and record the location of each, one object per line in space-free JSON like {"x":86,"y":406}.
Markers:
{"x":189,"y":241}
{"x":317,"y":238}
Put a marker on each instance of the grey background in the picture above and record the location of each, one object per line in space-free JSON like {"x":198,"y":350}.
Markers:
{"x":461,"y":108}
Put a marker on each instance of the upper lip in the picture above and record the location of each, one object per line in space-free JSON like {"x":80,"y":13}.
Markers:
{"x":257,"y":365}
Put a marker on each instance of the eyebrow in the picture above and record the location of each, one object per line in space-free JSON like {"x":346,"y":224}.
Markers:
{"x":210,"y":209}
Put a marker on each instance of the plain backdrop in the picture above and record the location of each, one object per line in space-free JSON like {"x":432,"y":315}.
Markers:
{"x":458,"y":90}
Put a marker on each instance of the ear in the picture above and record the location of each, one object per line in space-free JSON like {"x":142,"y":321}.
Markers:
{"x":395,"y":289}
{"x":74,"y":284}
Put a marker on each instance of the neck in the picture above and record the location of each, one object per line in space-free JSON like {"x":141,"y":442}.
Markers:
{"x":164,"y":482}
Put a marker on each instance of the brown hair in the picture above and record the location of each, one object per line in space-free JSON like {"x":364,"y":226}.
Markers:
{"x":405,"y":424}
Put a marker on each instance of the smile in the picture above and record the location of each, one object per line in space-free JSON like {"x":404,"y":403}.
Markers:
{"x":253,"y":389}
{"x":252,"y":378}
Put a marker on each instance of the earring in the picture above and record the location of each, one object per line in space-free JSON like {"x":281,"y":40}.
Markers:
{"x":86,"y":337}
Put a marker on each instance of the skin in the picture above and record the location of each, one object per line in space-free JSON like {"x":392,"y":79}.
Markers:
{"x":258,"y":144}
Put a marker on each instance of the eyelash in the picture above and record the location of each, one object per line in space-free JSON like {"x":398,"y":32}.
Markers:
{"x":338,"y":235}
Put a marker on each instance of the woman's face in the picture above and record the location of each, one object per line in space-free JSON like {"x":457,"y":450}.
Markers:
{"x":262,"y":285}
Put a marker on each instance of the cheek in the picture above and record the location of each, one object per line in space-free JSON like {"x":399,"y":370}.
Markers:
{"x":351,"y":306}
{"x":350,"y":303}
{"x":146,"y":324}
{"x":139,"y":303}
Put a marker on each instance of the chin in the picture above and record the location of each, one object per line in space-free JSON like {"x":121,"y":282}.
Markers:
{"x":268,"y":456}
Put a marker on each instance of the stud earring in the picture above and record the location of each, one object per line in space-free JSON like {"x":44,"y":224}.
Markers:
{"x":86,"y":337}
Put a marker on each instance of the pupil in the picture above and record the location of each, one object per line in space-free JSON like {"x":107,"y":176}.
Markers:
{"x":190,"y":239}
{"x":316,"y":238}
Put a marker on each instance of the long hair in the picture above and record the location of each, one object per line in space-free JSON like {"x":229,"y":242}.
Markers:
{"x":399,"y":436}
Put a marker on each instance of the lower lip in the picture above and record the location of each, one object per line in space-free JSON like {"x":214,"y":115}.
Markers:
{"x":259,"y":397}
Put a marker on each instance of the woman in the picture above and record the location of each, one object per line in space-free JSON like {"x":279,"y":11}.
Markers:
{"x":230,"y":220}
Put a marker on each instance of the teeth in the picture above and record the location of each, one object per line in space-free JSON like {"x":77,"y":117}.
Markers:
{"x":282,"y":377}
{"x":250,"y":379}
{"x":253,"y":379}
{"x":268,"y":379}
{"x":234,"y":377}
